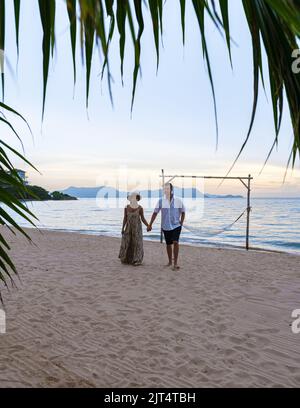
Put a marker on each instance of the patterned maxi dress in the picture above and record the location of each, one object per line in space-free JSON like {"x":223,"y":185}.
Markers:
{"x":131,"y":251}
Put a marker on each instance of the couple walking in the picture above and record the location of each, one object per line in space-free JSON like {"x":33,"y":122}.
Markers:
{"x":172,"y":213}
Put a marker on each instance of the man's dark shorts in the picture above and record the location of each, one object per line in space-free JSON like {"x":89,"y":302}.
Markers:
{"x":172,"y":236}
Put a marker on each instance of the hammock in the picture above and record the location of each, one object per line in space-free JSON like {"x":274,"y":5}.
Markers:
{"x":211,"y":232}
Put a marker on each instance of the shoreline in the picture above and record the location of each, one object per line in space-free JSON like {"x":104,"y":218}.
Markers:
{"x":183,"y":243}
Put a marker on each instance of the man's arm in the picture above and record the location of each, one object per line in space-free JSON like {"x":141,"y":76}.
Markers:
{"x":154,"y":215}
{"x":182,"y":218}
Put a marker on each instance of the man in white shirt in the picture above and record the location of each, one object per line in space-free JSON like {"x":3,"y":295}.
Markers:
{"x":172,"y":216}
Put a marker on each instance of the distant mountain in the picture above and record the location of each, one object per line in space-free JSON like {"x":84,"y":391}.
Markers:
{"x":92,"y":192}
{"x":89,"y":192}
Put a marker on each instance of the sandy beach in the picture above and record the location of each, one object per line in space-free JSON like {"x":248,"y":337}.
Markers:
{"x":81,"y":319}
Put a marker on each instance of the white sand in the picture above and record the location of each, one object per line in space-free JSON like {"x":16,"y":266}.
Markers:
{"x":80,"y":318}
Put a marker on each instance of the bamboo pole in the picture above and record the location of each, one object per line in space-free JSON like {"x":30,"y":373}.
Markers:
{"x":246,"y":183}
{"x":163,"y":183}
{"x":248,"y":211}
{"x":207,"y":177}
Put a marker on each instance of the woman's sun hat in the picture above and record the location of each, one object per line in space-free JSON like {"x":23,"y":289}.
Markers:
{"x":134,"y":194}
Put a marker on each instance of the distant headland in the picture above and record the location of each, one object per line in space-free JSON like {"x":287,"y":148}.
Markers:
{"x":107,"y":192}
{"x":37,"y":193}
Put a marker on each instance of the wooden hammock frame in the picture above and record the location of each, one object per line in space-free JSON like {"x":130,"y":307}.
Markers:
{"x":246,"y":181}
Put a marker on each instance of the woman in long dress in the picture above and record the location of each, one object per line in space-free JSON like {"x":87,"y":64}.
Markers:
{"x":131,"y":251}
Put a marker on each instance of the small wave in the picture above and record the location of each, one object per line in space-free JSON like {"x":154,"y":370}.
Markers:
{"x":291,"y":245}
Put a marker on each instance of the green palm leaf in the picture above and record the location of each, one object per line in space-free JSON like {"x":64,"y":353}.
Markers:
{"x":154,"y":10}
{"x":11,"y":187}
{"x":71,"y":8}
{"x":47,"y":15}
{"x":121,"y":20}
{"x":137,"y":45}
{"x":17,"y":21}
{"x":2,"y":38}
{"x":182,"y":12}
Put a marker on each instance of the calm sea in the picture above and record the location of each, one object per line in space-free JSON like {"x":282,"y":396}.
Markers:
{"x":274,"y":223}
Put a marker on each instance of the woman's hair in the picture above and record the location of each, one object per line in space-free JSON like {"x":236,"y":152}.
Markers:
{"x":137,"y":196}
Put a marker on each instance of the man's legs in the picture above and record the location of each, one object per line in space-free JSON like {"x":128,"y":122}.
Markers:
{"x":169,"y":252}
{"x":172,"y":239}
{"x":176,"y":252}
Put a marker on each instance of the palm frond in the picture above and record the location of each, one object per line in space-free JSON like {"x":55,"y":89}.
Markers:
{"x":182,"y":13}
{"x":17,"y":21}
{"x":47,"y":15}
{"x":274,"y":26}
{"x":2,"y":38}
{"x":12,"y":191}
{"x":71,"y":8}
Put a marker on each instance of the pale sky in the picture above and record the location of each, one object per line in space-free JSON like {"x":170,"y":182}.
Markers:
{"x":172,"y":125}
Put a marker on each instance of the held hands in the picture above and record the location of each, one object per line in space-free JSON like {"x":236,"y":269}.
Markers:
{"x":149,"y":227}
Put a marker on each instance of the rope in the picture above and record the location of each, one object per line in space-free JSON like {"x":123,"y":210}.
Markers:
{"x":214,"y":232}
